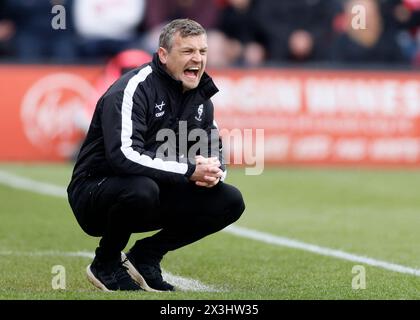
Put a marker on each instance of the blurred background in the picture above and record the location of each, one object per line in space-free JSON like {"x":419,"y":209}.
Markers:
{"x":328,"y":82}
{"x":242,"y":33}
{"x":334,"y":84}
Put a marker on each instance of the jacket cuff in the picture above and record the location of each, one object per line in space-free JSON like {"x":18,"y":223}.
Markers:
{"x":190,"y":171}
{"x":224,"y":174}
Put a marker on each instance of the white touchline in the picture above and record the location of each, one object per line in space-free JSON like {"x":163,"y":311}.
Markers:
{"x":17,"y":182}
{"x":44,"y":188}
{"x":295,"y":244}
{"x":182,"y":283}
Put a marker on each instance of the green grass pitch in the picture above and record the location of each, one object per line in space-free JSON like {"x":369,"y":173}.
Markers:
{"x":372,"y":213}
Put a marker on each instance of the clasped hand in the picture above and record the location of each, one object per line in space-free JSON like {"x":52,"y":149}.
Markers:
{"x":207,"y":172}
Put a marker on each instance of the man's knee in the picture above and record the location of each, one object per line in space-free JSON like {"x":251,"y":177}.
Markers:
{"x":140,"y":193}
{"x":234,"y":203}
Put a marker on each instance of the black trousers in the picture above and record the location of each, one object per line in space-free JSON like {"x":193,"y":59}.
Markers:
{"x":115,"y":207}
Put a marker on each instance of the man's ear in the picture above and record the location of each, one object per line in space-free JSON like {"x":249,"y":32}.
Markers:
{"x":163,"y":54}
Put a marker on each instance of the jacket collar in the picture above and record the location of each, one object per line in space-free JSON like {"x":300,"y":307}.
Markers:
{"x":206,"y":88}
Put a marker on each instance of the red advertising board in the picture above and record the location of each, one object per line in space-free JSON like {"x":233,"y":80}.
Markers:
{"x":308,"y":117}
{"x":325,"y":117}
{"x":41,"y":110}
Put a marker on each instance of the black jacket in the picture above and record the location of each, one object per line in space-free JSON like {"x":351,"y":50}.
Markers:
{"x":122,"y":135}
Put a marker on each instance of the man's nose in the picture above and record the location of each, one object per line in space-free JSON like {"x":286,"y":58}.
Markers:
{"x":197,"y":57}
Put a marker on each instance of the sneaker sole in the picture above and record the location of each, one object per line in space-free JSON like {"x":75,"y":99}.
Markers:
{"x":95,"y":281}
{"x":135,"y":275}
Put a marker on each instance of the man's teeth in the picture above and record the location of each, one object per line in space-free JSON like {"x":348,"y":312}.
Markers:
{"x":193,"y":69}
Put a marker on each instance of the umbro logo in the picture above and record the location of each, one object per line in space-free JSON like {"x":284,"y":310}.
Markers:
{"x":160,"y":107}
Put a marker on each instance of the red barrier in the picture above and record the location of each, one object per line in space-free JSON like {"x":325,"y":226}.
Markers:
{"x":326,"y":117}
{"x":308,"y":117}
{"x":41,"y":109}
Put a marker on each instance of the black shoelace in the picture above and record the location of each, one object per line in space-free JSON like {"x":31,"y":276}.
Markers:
{"x":152,"y":272}
{"x":121,"y":272}
{"x":112,"y":273}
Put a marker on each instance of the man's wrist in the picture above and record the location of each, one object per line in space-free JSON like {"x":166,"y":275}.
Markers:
{"x":190,"y":170}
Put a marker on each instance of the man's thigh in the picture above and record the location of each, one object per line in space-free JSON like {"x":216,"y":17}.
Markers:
{"x":188,"y":200}
{"x":129,"y":198}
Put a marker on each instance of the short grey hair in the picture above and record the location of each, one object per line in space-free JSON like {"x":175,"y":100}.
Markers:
{"x":185,"y":27}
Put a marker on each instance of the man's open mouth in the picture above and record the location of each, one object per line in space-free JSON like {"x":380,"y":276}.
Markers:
{"x":192,"y":72}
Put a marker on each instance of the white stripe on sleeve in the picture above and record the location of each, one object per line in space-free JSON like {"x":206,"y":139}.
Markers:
{"x":127,"y":130}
